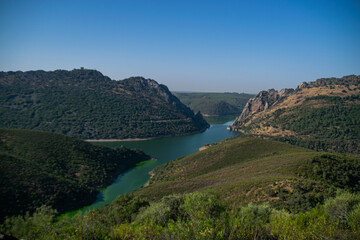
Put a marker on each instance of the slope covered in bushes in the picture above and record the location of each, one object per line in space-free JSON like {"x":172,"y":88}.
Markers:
{"x":40,"y":168}
{"x":239,"y":188}
{"x":88,"y":105}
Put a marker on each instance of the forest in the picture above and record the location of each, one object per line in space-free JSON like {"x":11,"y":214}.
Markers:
{"x":64,"y":173}
{"x":85,"y":104}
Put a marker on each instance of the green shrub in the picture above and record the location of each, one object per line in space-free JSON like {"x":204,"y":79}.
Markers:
{"x":353,"y":219}
{"x":199,"y":206}
{"x":340,"y":207}
{"x":310,"y":225}
{"x":251,"y":222}
{"x":30,"y":227}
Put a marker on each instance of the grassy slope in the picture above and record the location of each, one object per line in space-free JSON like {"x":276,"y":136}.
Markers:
{"x":215,"y":104}
{"x":44,"y":168}
{"x":243,"y":170}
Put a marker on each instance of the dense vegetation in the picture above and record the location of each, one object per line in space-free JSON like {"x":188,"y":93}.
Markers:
{"x":40,"y":168}
{"x":85,"y":104}
{"x":241,"y":188}
{"x":215,"y":104}
{"x":323,"y":123}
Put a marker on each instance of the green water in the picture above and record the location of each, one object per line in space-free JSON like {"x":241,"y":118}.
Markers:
{"x":162,"y":150}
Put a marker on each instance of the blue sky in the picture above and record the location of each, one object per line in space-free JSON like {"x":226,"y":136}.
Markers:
{"x":235,"y":46}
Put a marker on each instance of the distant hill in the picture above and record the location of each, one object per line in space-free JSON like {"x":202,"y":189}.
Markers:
{"x":86,"y":104}
{"x":40,"y":168}
{"x":215,"y":104}
{"x":321,"y":115}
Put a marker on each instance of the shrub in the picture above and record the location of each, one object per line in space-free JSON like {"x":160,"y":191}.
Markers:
{"x":30,"y":227}
{"x":251,"y":222}
{"x":310,"y":225}
{"x":340,"y":207}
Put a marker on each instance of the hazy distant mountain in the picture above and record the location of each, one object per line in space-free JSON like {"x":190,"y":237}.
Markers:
{"x":322,"y":115}
{"x":214,"y":104}
{"x":86,"y":104}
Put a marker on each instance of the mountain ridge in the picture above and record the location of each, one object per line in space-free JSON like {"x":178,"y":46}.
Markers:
{"x":86,"y":104}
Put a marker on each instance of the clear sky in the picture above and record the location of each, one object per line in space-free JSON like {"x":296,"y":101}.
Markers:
{"x":188,"y":45}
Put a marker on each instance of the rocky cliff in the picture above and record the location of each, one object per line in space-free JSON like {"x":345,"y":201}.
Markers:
{"x":322,"y":115}
{"x":266,"y":100}
{"x":261,"y":102}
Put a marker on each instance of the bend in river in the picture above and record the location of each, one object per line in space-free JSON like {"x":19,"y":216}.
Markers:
{"x":161,"y":149}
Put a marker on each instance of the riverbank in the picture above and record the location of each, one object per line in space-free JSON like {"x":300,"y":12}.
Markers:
{"x":143,"y":139}
{"x":152,"y":174}
{"x":163,"y":150}
{"x":121,"y":140}
{"x":203,"y":148}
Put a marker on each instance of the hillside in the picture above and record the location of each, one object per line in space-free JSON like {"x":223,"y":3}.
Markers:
{"x":239,"y":188}
{"x":321,"y":115}
{"x":215,"y":104}
{"x":40,"y":168}
{"x":246,"y":169}
{"x":85,"y":104}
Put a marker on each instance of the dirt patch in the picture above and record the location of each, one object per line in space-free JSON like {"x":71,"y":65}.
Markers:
{"x":152,"y":174}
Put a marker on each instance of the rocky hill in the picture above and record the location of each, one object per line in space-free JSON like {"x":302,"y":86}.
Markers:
{"x":322,"y":115}
{"x":86,"y":104}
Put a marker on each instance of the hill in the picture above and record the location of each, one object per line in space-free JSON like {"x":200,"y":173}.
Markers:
{"x":86,"y":104}
{"x":215,"y":104}
{"x":247,"y":169}
{"x":40,"y":168}
{"x":321,"y":115}
{"x":239,"y":188}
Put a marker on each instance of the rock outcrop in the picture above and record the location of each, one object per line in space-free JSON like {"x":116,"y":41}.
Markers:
{"x":346,"y":80}
{"x":265,"y":100}
{"x":261,"y":102}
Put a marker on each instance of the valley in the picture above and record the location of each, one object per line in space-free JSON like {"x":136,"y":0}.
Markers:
{"x":290,"y":156}
{"x":215,"y":107}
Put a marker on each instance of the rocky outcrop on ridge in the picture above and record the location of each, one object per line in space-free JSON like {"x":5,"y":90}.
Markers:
{"x":266,"y":100}
{"x":261,"y":102}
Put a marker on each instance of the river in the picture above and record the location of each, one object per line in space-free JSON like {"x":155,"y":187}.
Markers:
{"x":162,"y":150}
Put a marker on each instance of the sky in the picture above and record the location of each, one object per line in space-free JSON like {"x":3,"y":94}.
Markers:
{"x":188,"y":45}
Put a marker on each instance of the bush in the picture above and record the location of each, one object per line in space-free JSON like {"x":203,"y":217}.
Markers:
{"x":340,"y":207}
{"x":251,"y":222}
{"x":169,"y":208}
{"x":310,"y":225}
{"x":30,"y":227}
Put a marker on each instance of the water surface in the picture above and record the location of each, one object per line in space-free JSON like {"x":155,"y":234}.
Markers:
{"x":163,"y":150}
